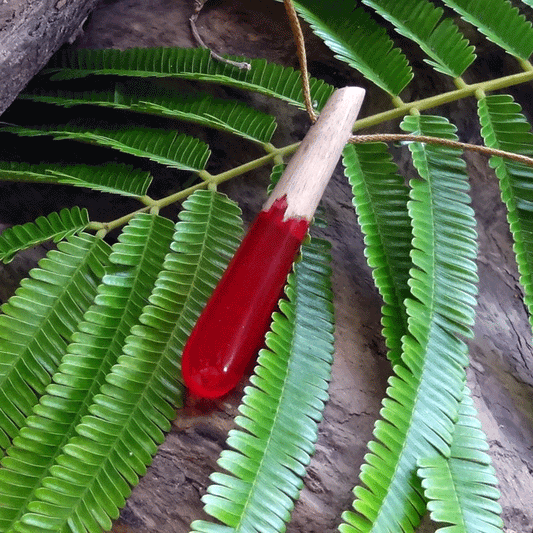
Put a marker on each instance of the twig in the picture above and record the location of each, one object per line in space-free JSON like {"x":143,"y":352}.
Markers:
{"x":395,"y":137}
{"x":198,"y":5}
{"x":302,"y":57}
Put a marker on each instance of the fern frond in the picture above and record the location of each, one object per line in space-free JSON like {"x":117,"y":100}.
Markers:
{"x":113,"y":178}
{"x":358,"y":40}
{"x":117,"y":439}
{"x":500,"y":22}
{"x":454,"y":218}
{"x":461,"y":489}
{"x":280,"y":412}
{"x":37,"y":323}
{"x":505,"y":127}
{"x":136,"y":261}
{"x":192,"y":64}
{"x":380,"y":199}
{"x":54,"y":227}
{"x":165,"y":147}
{"x":419,"y":20}
{"x":225,"y":115}
{"x":418,"y":414}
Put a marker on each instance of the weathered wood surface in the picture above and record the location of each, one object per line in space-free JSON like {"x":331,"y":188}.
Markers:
{"x":310,"y":168}
{"x":30,"y":32}
{"x":501,"y":374}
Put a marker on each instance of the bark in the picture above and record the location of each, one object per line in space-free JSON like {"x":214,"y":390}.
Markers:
{"x":30,"y":32}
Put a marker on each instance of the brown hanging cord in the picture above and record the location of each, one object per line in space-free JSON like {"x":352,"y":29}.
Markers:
{"x":383,"y":137}
{"x":399,"y":137}
{"x":302,"y":58}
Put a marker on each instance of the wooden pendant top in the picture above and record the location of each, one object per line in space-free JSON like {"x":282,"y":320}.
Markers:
{"x":311,"y":167}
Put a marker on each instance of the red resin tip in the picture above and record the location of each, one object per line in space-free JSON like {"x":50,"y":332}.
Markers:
{"x":232,"y":327}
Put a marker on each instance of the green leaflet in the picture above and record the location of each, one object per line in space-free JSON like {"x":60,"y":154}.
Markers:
{"x":461,"y":489}
{"x":449,"y":214}
{"x":162,"y":146}
{"x":275,"y":175}
{"x":419,"y":20}
{"x":358,"y":40}
{"x":280,"y":412}
{"x":113,"y":178}
{"x":54,"y":227}
{"x":37,"y":323}
{"x":380,"y":199}
{"x":500,"y":22}
{"x":506,"y":128}
{"x":142,"y":97}
{"x":116,"y":441}
{"x":423,"y":396}
{"x":136,"y":261}
{"x":193,"y":64}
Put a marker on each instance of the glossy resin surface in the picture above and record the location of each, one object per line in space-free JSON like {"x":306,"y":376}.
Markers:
{"x":232,"y":327}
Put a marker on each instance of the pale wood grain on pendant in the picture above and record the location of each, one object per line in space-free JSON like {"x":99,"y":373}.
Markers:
{"x":310,"y":168}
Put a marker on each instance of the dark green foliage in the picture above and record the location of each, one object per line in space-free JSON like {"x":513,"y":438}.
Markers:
{"x":203,"y":109}
{"x":113,"y":177}
{"x":196,"y":64}
{"x":55,"y":227}
{"x":500,"y":22}
{"x":168,"y":148}
{"x":380,"y":198}
{"x":506,"y":128}
{"x":358,"y":40}
{"x":448,"y":51}
{"x":91,"y":342}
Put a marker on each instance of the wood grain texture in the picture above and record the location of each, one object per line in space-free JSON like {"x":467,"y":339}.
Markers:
{"x":308,"y":172}
{"x":30,"y":32}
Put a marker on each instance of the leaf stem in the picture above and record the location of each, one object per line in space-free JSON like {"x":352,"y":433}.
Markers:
{"x":445,"y":98}
{"x":252,"y":165}
{"x":208,"y":181}
{"x":526,"y":65}
{"x":146,"y":200}
{"x":103,"y":228}
{"x":204,"y":175}
{"x":277,"y":154}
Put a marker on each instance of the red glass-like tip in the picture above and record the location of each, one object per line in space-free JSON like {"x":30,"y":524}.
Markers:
{"x":232,"y":327}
